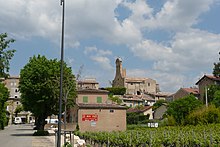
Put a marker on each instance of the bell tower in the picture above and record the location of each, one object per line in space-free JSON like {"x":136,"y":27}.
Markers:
{"x":119,"y":79}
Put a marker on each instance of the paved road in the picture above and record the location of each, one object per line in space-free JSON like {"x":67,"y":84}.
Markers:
{"x":22,"y":136}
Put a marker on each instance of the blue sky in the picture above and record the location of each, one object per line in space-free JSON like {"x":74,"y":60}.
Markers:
{"x":174,"y":42}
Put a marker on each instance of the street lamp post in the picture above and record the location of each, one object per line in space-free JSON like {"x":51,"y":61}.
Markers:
{"x":206,"y":96}
{"x":61,"y":78}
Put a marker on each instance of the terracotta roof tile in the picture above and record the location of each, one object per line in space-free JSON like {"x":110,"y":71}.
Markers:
{"x":210,"y":77}
{"x":191,"y":90}
{"x":145,"y":108}
{"x":103,"y":106}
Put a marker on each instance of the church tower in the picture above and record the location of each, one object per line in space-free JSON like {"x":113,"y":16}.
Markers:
{"x":119,"y":74}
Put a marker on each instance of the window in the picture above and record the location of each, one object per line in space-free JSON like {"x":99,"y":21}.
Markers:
{"x":111,"y":111}
{"x":16,"y":96}
{"x":85,"y":99}
{"x":16,"y":90}
{"x":99,"y":99}
{"x":148,"y":84}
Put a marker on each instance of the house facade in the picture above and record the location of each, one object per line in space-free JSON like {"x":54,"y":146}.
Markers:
{"x":88,"y":83}
{"x":132,"y":100}
{"x":204,"y":82}
{"x":182,"y":92}
{"x":146,"y":110}
{"x":95,"y":112}
{"x":133,"y":85}
{"x":13,"y":102}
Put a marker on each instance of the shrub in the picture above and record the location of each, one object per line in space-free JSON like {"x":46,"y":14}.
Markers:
{"x":116,"y":90}
{"x":205,"y":115}
{"x":41,"y":133}
{"x":67,"y":144}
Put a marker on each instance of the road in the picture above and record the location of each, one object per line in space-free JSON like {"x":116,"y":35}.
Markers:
{"x":22,"y":136}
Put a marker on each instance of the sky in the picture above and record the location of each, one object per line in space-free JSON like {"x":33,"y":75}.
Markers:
{"x":174,"y":42}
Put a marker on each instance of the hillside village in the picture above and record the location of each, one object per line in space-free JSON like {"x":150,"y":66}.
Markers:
{"x":94,"y":111}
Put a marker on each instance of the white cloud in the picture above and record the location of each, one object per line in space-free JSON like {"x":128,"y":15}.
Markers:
{"x":179,"y":15}
{"x":185,"y":52}
{"x":103,"y":62}
{"x":189,"y":51}
{"x":90,"y":49}
{"x":99,"y":56}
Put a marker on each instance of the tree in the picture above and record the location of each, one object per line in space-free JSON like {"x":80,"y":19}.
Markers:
{"x":205,"y":115}
{"x":39,"y":86}
{"x":115,"y":99}
{"x":18,"y":109}
{"x":211,"y":92}
{"x":180,"y":108}
{"x":116,"y":90}
{"x":216,"y":69}
{"x":5,"y":54}
{"x":216,"y":99}
{"x":4,"y":95}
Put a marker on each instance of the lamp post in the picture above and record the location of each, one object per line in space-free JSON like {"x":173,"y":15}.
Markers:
{"x":61,"y":78}
{"x":206,"y":96}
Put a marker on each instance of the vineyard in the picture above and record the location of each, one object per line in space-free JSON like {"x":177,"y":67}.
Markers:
{"x":188,"y":136}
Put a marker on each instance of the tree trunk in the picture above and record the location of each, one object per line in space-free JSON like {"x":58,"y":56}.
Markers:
{"x":40,"y":122}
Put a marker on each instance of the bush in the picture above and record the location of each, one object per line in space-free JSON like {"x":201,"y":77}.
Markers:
{"x":137,"y":118}
{"x":116,"y":90}
{"x":205,"y":115}
{"x":41,"y":133}
{"x":67,"y":144}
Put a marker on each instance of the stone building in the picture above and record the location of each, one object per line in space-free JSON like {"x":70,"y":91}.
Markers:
{"x":146,"y":110}
{"x":13,"y":102}
{"x":182,"y":92}
{"x":204,"y":82}
{"x":95,"y":112}
{"x":133,"y":85}
{"x":88,"y":83}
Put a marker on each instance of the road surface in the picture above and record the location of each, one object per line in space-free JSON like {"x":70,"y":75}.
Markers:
{"x":22,"y":136}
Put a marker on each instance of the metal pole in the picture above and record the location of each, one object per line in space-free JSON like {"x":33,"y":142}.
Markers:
{"x":206,"y":96}
{"x":65,"y":119}
{"x":61,"y":79}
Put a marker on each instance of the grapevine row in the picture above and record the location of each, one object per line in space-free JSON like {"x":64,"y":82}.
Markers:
{"x":195,"y":136}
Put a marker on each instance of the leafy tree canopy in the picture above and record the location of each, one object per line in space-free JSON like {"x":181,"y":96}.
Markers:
{"x":4,"y":95}
{"x":216,"y":69}
{"x":211,"y":92}
{"x":40,"y":85}
{"x":116,"y":90}
{"x":18,"y":109}
{"x":115,"y":99}
{"x":5,"y":54}
{"x":216,"y":99}
{"x":180,"y":108}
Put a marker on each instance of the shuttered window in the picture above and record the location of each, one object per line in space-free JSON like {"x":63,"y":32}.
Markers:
{"x":99,"y":99}
{"x":85,"y":99}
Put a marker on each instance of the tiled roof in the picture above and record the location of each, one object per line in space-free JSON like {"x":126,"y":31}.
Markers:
{"x":145,"y":108}
{"x":102,"y":106}
{"x":136,"y":79}
{"x":132,"y":98}
{"x":191,"y":90}
{"x":89,"y":90}
{"x":209,"y":77}
{"x":148,"y":97}
{"x":87,"y":82}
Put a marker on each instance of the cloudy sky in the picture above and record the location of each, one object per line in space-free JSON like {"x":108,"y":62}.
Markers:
{"x":174,"y":42}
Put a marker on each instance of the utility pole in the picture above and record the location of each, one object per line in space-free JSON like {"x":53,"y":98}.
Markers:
{"x":62,"y":3}
{"x":206,"y":96}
